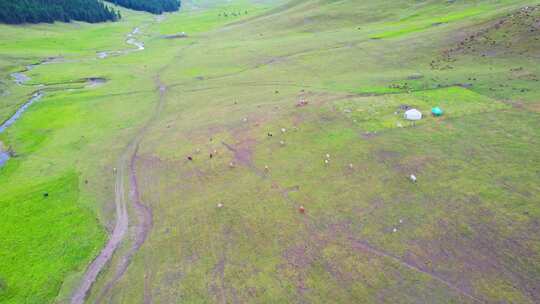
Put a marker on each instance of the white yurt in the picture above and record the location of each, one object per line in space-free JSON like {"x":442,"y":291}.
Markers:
{"x":413,"y":114}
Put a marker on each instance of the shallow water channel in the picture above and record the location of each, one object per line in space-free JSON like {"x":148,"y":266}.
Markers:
{"x":20,"y":78}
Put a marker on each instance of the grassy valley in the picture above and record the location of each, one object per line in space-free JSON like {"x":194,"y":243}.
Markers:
{"x":256,"y":152}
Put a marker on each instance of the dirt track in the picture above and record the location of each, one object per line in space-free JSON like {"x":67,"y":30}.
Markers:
{"x":144,"y":213}
{"x":125,"y":167}
{"x":115,"y":239}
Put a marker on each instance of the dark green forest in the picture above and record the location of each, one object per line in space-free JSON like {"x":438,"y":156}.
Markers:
{"x":152,"y":6}
{"x":36,"y":11}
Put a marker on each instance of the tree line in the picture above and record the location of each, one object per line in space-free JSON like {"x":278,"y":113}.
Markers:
{"x":151,"y":6}
{"x":36,"y":11}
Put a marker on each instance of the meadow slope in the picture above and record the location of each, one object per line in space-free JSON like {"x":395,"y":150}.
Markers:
{"x":221,"y":135}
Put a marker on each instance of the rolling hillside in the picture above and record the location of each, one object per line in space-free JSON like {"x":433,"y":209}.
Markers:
{"x":256,"y":152}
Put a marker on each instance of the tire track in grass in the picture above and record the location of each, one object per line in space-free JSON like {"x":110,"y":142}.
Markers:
{"x":144,"y":213}
{"x":125,"y":167}
{"x":360,"y":245}
{"x":125,"y":164}
{"x":115,"y":239}
{"x":365,"y":247}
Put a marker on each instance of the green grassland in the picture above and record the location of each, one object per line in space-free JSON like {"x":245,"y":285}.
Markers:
{"x":63,"y":146}
{"x":466,"y":232}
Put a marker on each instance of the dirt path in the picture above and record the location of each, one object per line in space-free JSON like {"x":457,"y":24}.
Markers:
{"x":359,"y":245}
{"x":144,"y":213}
{"x":363,"y":246}
{"x":115,"y":239}
{"x":125,"y":167}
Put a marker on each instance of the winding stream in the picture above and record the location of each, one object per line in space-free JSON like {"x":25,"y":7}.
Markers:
{"x":37,"y":96}
{"x":20,"y":78}
{"x":131,"y":40}
{"x":5,"y":155}
{"x":125,"y":168}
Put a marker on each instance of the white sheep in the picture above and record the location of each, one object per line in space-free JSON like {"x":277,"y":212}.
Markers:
{"x":413,"y":178}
